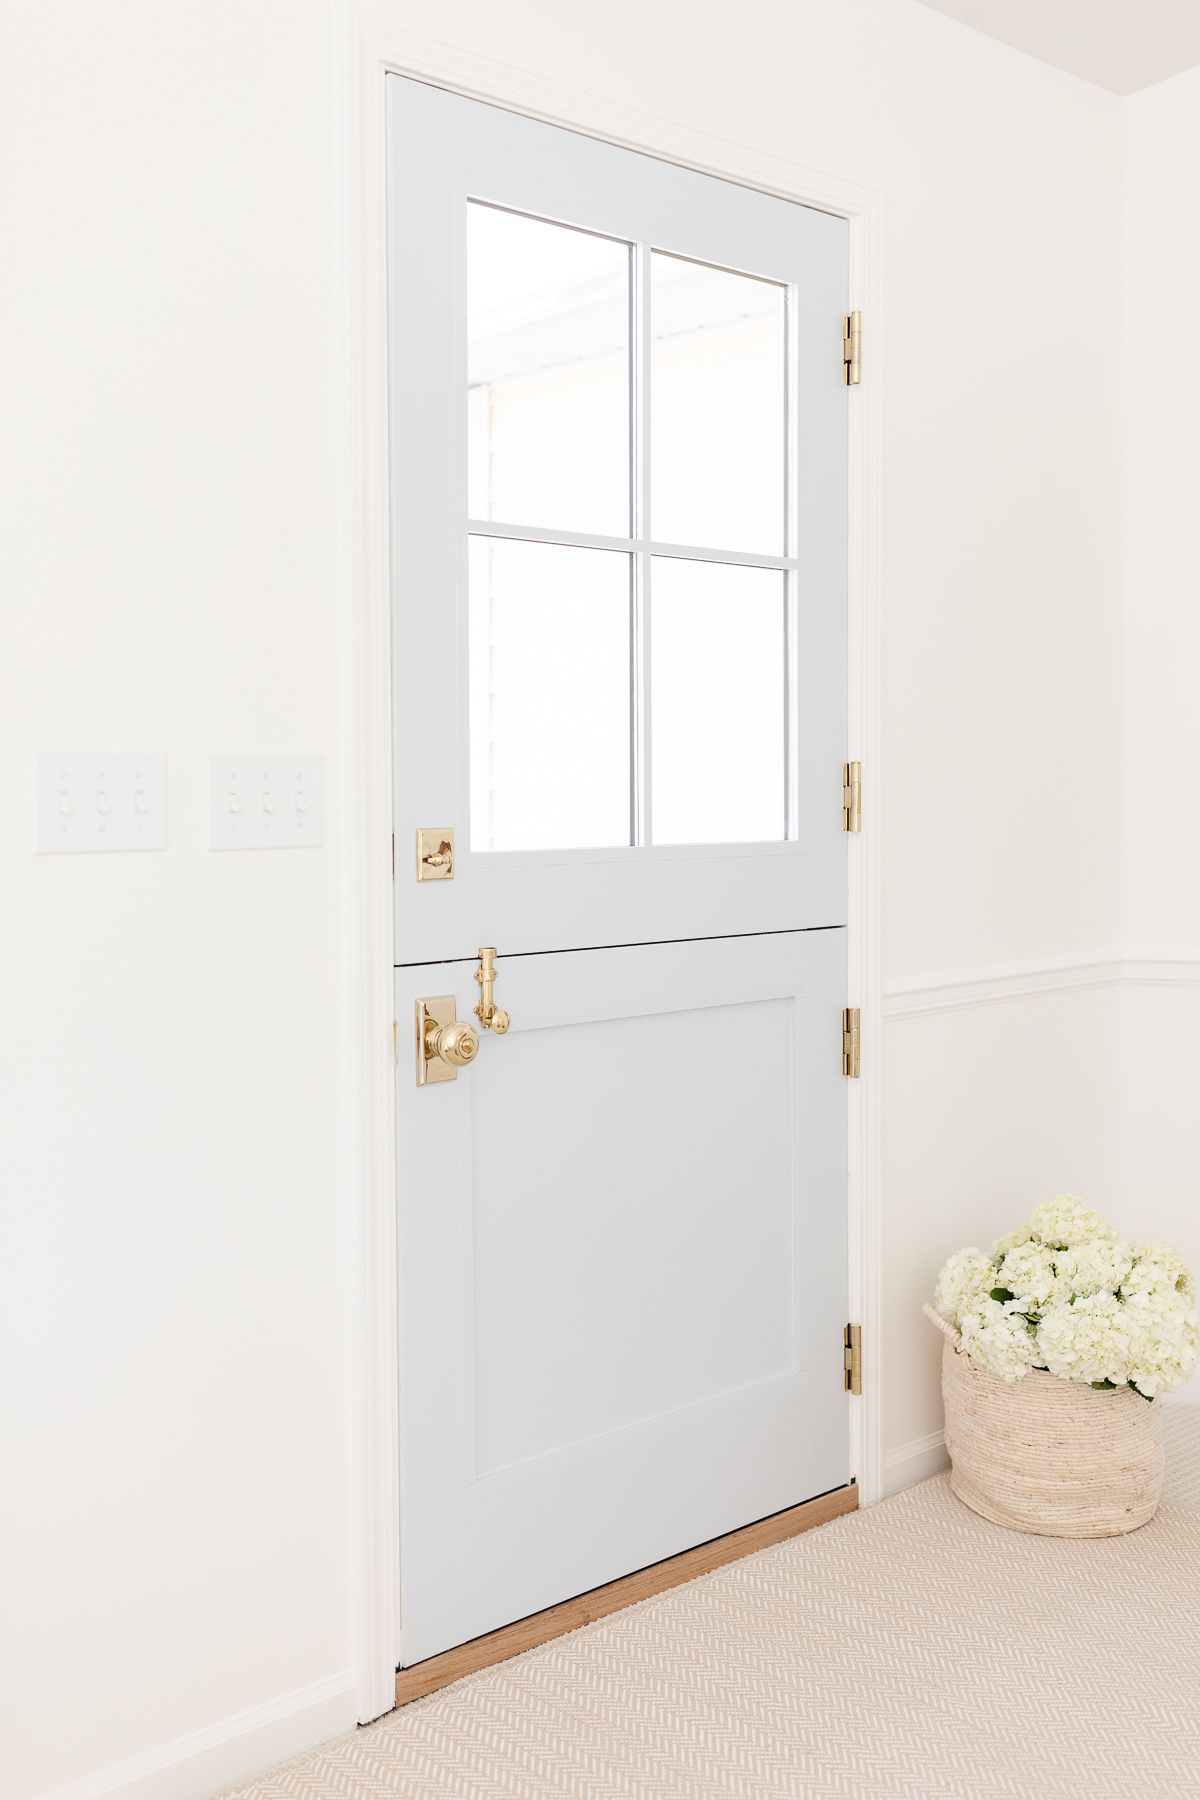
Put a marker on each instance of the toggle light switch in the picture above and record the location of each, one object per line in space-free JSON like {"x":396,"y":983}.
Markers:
{"x":108,"y":802}
{"x":266,"y":802}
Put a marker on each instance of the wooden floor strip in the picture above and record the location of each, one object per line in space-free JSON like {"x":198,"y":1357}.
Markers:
{"x":496,"y":1646}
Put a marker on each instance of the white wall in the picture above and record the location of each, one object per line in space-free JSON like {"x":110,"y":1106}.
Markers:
{"x":174,"y":1267}
{"x":1160,"y":1023}
{"x":177,"y":1216}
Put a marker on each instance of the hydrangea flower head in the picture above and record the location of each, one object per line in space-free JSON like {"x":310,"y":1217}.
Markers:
{"x":1065,"y":1222}
{"x":966,"y":1281}
{"x":1030,"y":1274}
{"x":1100,"y":1264}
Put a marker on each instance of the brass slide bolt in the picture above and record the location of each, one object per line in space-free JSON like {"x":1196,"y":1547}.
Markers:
{"x":490,"y":1017}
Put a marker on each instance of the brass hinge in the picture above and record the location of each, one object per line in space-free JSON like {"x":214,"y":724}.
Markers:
{"x":852,"y":348}
{"x":852,"y":797}
{"x":852,"y":1359}
{"x":852,"y":1042}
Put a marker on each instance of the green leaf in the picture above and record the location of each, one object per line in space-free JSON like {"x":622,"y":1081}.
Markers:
{"x":1137,"y":1390}
{"x":1002,"y":1294}
{"x":1106,"y":1384}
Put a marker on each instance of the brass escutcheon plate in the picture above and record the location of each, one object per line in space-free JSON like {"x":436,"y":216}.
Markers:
{"x":435,"y":854}
{"x":440,"y":1011}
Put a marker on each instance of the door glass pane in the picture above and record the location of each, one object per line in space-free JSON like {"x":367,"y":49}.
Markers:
{"x":718,"y":691}
{"x":547,"y":374}
{"x":550,"y":696}
{"x":717,"y":408}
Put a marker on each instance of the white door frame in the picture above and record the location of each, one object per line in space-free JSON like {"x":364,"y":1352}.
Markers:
{"x":371,"y":50}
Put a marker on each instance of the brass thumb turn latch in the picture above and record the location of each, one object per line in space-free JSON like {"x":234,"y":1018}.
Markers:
{"x":446,"y":1043}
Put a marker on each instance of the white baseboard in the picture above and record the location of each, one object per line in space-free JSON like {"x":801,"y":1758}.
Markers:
{"x":914,"y":1461}
{"x":234,"y":1749}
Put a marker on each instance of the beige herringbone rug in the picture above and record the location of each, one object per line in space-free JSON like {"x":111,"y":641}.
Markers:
{"x":912,"y":1649}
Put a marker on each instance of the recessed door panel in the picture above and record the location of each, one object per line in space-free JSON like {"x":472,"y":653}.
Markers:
{"x":654,"y":1318}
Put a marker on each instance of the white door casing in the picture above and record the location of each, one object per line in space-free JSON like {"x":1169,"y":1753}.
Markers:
{"x":623,"y":1232}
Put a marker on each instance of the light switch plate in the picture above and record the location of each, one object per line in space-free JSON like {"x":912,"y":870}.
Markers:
{"x":267,"y":802}
{"x":114,"y":801}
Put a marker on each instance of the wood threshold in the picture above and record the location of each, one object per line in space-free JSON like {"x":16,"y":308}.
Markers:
{"x":510,"y":1640}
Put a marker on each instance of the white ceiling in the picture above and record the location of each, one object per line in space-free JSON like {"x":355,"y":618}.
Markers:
{"x":1123,"y":45}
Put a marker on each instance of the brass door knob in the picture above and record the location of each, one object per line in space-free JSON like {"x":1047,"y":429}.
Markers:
{"x":445,"y":1043}
{"x":456,"y":1043}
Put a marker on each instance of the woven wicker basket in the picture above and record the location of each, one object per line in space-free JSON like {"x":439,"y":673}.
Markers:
{"x":1049,"y":1456}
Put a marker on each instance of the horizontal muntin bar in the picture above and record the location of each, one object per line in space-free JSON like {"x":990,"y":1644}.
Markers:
{"x":582,"y":540}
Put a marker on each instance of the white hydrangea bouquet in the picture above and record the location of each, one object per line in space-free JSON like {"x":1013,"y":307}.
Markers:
{"x":1068,"y":1295}
{"x":1055,"y":1310}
